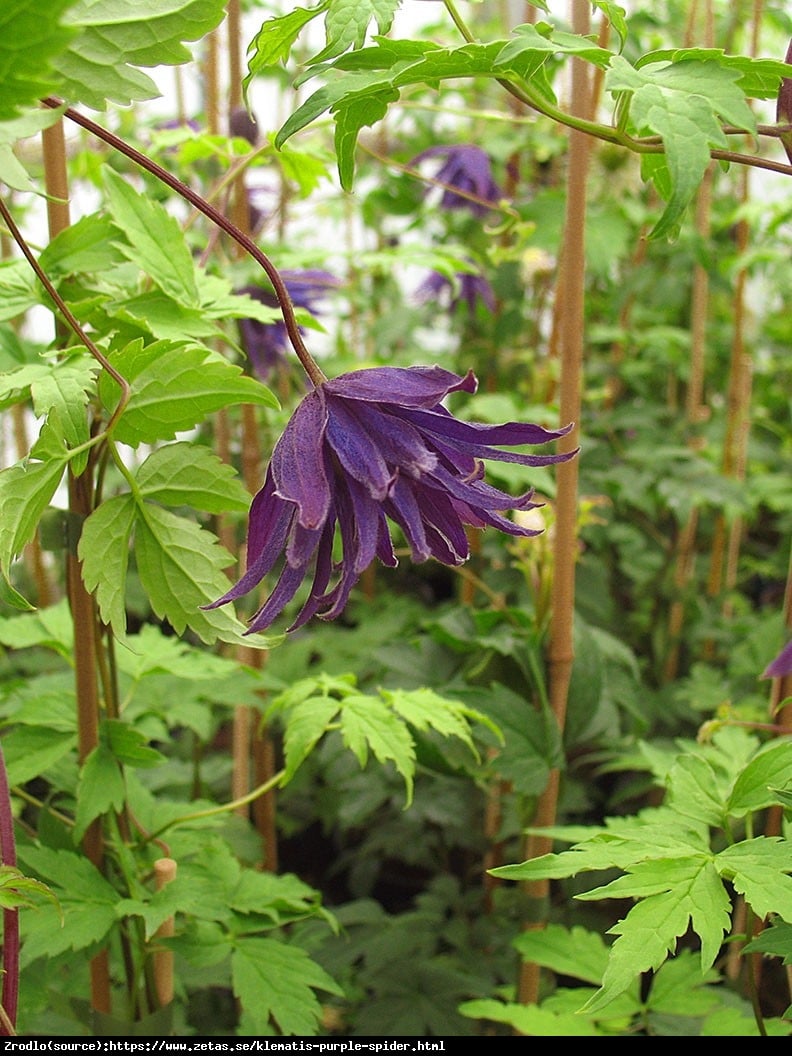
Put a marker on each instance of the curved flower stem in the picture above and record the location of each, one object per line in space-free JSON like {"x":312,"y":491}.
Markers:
{"x":309,"y":364}
{"x":64,"y":310}
{"x":10,"y":992}
{"x":224,"y":808}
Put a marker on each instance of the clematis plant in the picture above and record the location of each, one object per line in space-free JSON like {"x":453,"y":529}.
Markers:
{"x":365,"y":448}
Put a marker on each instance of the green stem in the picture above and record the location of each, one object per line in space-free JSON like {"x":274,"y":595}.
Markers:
{"x":223,"y":808}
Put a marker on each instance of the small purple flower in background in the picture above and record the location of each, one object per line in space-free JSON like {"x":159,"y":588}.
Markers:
{"x":472,"y":288}
{"x":784,"y":107}
{"x":467,"y":168}
{"x":782,"y":665}
{"x":266,"y":343}
{"x":363,"y":448}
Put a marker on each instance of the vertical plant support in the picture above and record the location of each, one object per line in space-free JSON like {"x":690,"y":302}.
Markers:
{"x":561,"y":649}
{"x":80,"y":601}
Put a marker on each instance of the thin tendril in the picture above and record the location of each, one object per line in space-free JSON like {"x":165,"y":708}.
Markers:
{"x":309,"y":364}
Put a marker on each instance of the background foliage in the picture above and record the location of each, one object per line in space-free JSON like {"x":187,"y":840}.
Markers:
{"x":335,"y":833}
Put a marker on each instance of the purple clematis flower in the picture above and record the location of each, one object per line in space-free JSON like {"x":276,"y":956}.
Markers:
{"x":363,"y":448}
{"x":266,"y":343}
{"x":469,"y":169}
{"x":472,"y":287}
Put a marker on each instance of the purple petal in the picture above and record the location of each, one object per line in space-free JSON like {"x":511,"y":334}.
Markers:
{"x":285,"y":589}
{"x":400,"y":442}
{"x":476,"y":437}
{"x":782,"y":665}
{"x":357,"y":448}
{"x":403,"y":507}
{"x":403,"y":386}
{"x":298,"y":467}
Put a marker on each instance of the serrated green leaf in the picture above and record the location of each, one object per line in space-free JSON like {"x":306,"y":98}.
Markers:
{"x":50,"y":627}
{"x":575,"y":952}
{"x":681,"y":102}
{"x":32,"y":34}
{"x":17,"y":288}
{"x":533,"y":44}
{"x":16,"y":889}
{"x":753,"y":789}
{"x":276,"y":981}
{"x":694,"y":883}
{"x":307,"y":723}
{"x":101,"y":789}
{"x":758,"y":869}
{"x":282,"y":899}
{"x":531,"y":1020}
{"x":154,"y":240}
{"x":87,"y":904}
{"x":128,"y":745}
{"x":273,"y":42}
{"x":173,"y":388}
{"x":180,"y":566}
{"x":775,"y":940}
{"x":757,"y":78}
{"x":25,"y":491}
{"x":87,"y":245}
{"x":693,"y":790}
{"x":185,"y":474}
{"x":347,"y":22}
{"x":350,"y":118}
{"x":368,"y":724}
{"x":426,"y":710}
{"x":113,"y":38}
{"x":104,"y":551}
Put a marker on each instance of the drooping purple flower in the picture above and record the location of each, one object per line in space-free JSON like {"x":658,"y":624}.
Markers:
{"x":362,"y":449}
{"x":467,"y":168}
{"x":784,"y":106}
{"x":266,"y":343}
{"x":782,"y":665}
{"x":472,"y":287}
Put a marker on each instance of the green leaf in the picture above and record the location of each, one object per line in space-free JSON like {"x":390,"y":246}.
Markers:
{"x":87,"y":904}
{"x":575,"y":952}
{"x":693,"y":790}
{"x":426,"y":710}
{"x":534,"y":44}
{"x":531,"y":1020}
{"x":25,"y":491}
{"x":273,"y":42}
{"x":16,"y":889}
{"x":17,"y":288}
{"x":347,"y":22}
{"x":753,"y":789}
{"x":185,"y":474}
{"x":276,"y":981}
{"x":104,"y":551}
{"x":693,"y":882}
{"x":31,"y":750}
{"x":354,"y":115}
{"x":114,"y":37}
{"x":154,"y":240}
{"x":180,"y":566}
{"x":173,"y":388}
{"x":681,"y":102}
{"x":307,"y":723}
{"x":128,"y":745}
{"x":368,"y":724}
{"x":101,"y":789}
{"x":758,"y":869}
{"x":88,"y":245}
{"x":32,"y":34}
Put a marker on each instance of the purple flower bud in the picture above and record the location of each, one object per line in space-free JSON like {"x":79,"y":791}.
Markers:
{"x":363,"y":449}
